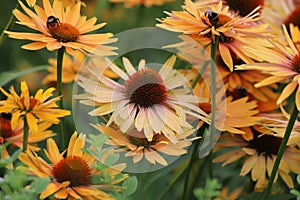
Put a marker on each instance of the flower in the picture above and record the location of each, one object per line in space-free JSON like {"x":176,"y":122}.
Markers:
{"x":135,"y":144}
{"x":35,"y":109}
{"x":31,"y":3}
{"x":58,"y":27}
{"x":72,"y":66}
{"x":259,"y":155}
{"x":234,"y":114}
{"x":283,"y":64}
{"x":155,"y":102}
{"x":147,"y":3}
{"x":204,"y":24}
{"x":15,"y":136}
{"x":70,"y":175}
{"x":276,"y":13}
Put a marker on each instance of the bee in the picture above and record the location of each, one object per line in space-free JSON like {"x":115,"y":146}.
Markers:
{"x":52,"y":22}
{"x":216,"y":19}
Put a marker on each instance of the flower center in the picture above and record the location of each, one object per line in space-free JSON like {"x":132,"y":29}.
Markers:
{"x":244,"y":7}
{"x":138,"y":138}
{"x":32,"y":102}
{"x":145,"y":88}
{"x":266,"y":144}
{"x":293,"y":18}
{"x":296,"y":64}
{"x":73,"y":169}
{"x":64,"y":32}
{"x":5,"y":126}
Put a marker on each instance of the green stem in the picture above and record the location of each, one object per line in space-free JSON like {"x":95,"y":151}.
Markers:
{"x":188,"y":191}
{"x":25,"y":135}
{"x":9,"y":24}
{"x":214,"y":47}
{"x":60,"y":56}
{"x":203,"y":68}
{"x":284,"y":141}
{"x":172,"y":182}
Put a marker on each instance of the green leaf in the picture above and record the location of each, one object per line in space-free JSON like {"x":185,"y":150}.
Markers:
{"x":129,"y":186}
{"x":38,"y":185}
{"x":6,"y":77}
{"x":272,"y":197}
{"x":112,"y":159}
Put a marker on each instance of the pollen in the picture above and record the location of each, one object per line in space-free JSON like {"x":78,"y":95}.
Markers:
{"x":65,"y":32}
{"x":73,"y":169}
{"x":244,"y":7}
{"x":145,"y":88}
{"x":296,"y":64}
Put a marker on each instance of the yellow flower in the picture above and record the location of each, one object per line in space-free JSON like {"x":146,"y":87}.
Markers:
{"x":237,"y":113}
{"x":283,"y":64}
{"x":259,"y":155}
{"x":58,"y":27}
{"x":135,"y":144}
{"x":15,"y":136}
{"x":72,"y":66}
{"x":203,"y":24}
{"x":150,"y":100}
{"x":70,"y":175}
{"x":147,"y":3}
{"x":35,"y":109}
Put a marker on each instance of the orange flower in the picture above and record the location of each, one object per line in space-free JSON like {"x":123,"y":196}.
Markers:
{"x":70,"y":175}
{"x":283,"y":64}
{"x":15,"y":136}
{"x":259,"y":154}
{"x":35,"y":109}
{"x":134,"y":143}
{"x":204,"y":24}
{"x":60,"y":27}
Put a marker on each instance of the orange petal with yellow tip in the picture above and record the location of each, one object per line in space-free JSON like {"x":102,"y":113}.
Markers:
{"x":52,"y":151}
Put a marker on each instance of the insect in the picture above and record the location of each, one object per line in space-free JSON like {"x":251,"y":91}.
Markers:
{"x":216,"y":19}
{"x":52,"y":22}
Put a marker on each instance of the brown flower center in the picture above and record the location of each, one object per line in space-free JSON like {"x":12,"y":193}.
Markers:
{"x":5,"y":127}
{"x":296,"y":64}
{"x":244,"y":7}
{"x":32,"y":102}
{"x":73,"y":169}
{"x":138,"y":139}
{"x":145,"y":88}
{"x":64,"y":32}
{"x":293,"y":18}
{"x":266,"y":144}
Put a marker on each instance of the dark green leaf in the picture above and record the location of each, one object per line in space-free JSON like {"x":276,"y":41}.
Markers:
{"x":6,"y":77}
{"x":272,"y":197}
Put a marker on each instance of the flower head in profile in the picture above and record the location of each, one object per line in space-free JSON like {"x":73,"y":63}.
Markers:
{"x":136,"y":145}
{"x":35,"y":109}
{"x":148,"y":100}
{"x":70,"y":175}
{"x":58,"y":27}
{"x":259,"y":155}
{"x":204,"y":24}
{"x":283,"y":64}
{"x":147,"y":3}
